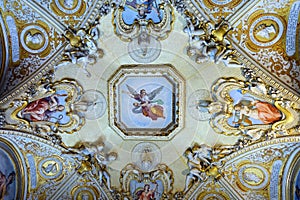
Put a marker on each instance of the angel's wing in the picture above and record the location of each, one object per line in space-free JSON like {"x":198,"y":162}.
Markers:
{"x":131,"y":90}
{"x":153,"y":94}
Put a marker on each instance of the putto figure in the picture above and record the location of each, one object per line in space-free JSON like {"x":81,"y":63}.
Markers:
{"x":146,"y":103}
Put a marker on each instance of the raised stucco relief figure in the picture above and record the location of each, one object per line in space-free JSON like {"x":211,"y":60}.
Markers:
{"x":143,"y":24}
{"x":208,"y":42}
{"x":93,"y":160}
{"x":91,"y":104}
{"x":35,"y":39}
{"x":206,"y":162}
{"x":83,"y":48}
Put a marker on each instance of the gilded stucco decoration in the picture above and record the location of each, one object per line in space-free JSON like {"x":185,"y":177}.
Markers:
{"x":136,"y":184}
{"x":209,"y":43}
{"x":133,"y":17}
{"x":43,"y":170}
{"x":49,"y":109}
{"x":32,"y":41}
{"x":258,"y":37}
{"x":262,"y":32}
{"x":251,"y":108}
{"x":206,"y":162}
{"x":252,"y":172}
{"x":144,"y":99}
{"x":83,"y":48}
{"x":38,"y":33}
{"x":143,"y":24}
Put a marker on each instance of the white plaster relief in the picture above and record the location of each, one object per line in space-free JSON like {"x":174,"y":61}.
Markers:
{"x":221,"y":2}
{"x":14,"y":38}
{"x":32,"y":170}
{"x":274,"y":180}
{"x":44,"y":39}
{"x":273,"y":41}
{"x":292,"y":29}
{"x":66,"y":7}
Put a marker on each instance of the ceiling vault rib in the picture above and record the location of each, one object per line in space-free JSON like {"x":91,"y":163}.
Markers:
{"x":199,"y":10}
{"x":52,"y":20}
{"x":37,"y":75}
{"x":65,"y":184}
{"x":88,"y":16}
{"x":290,"y":91}
{"x":224,"y":183}
{"x":6,"y":50}
{"x":234,"y":19}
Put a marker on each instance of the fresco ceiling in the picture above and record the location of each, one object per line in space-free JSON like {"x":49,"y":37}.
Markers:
{"x":130,"y":99}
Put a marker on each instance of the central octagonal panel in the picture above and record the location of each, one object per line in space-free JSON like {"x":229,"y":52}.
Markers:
{"x":146,"y":101}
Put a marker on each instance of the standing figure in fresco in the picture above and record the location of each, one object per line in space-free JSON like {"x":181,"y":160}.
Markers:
{"x":146,"y":193}
{"x":4,"y":182}
{"x":146,"y":104}
{"x":41,"y":109}
{"x":263,"y":111}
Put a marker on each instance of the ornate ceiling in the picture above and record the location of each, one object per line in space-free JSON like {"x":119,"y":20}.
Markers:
{"x":138,"y":99}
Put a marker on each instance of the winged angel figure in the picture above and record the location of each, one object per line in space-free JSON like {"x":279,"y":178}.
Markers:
{"x":146,"y":102}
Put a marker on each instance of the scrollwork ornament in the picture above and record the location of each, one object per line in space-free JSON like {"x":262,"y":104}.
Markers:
{"x":25,"y":14}
{"x":252,"y":95}
{"x":135,"y":183}
{"x":106,"y":8}
{"x":49,"y":111}
{"x":180,"y":6}
{"x":156,"y":17}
